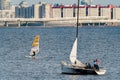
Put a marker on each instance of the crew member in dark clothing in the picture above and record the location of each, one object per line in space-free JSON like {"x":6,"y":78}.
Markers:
{"x":88,"y":66}
{"x":96,"y":64}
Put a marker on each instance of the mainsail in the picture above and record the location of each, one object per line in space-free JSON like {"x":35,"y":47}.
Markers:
{"x":35,"y":45}
{"x":73,"y":56}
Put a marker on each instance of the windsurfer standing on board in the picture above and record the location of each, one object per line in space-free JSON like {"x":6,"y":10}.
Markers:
{"x":33,"y":55}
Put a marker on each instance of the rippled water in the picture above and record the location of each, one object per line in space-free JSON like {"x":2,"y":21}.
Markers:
{"x":55,"y":46}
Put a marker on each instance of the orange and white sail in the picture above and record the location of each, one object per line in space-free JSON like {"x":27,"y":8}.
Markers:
{"x":35,"y":45}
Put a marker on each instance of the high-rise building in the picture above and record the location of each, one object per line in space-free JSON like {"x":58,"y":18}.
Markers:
{"x":40,"y":10}
{"x":4,"y":4}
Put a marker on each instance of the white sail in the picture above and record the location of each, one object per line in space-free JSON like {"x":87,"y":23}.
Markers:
{"x":35,"y":46}
{"x":73,"y":56}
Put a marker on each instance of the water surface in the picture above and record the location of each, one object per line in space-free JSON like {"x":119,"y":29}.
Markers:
{"x":55,"y":46}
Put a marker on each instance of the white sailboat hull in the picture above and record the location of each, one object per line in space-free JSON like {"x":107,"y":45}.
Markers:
{"x":69,"y":69}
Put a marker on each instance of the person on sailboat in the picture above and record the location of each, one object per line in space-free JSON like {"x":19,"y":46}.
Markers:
{"x":88,"y":65}
{"x":96,"y":62}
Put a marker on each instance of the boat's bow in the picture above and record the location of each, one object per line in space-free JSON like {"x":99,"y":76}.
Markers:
{"x":100,"y":71}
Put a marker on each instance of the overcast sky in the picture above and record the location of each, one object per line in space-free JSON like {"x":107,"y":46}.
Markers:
{"x":102,"y":2}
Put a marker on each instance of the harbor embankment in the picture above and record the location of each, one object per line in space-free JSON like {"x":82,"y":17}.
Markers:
{"x":58,"y":23}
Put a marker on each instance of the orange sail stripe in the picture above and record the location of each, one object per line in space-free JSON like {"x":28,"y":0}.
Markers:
{"x":33,"y":45}
{"x":36,"y":41}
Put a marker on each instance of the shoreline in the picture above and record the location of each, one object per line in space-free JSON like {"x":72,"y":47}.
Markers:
{"x":58,"y":26}
{"x":50,"y":25}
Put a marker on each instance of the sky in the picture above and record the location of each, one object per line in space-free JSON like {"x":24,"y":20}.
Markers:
{"x":67,"y":2}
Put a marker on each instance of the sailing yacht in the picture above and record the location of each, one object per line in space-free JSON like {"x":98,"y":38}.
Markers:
{"x":76,"y":66}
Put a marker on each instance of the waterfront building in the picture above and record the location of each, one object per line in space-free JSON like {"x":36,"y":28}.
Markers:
{"x":44,"y":10}
{"x":30,"y":12}
{"x":116,"y":13}
{"x":92,"y":10}
{"x":36,"y":10}
{"x":105,"y":11}
{"x":48,"y":10}
{"x":21,"y":11}
{"x":4,"y":4}
{"x":57,"y":12}
{"x":68,"y":11}
{"x":17,"y":12}
{"x":8,"y":13}
{"x":40,"y":10}
{"x":82,"y":11}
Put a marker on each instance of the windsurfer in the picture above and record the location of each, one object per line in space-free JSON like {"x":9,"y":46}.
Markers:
{"x":33,"y":55}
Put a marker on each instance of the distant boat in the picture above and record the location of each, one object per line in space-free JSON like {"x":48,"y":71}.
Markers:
{"x":35,"y":47}
{"x":76,"y":66}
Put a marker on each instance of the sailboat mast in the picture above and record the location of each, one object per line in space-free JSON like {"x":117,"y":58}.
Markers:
{"x":77,"y":18}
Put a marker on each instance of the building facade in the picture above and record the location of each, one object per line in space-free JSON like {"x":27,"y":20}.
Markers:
{"x":44,"y":10}
{"x":92,"y":10}
{"x":56,"y":12}
{"x":4,"y":4}
{"x":110,"y":11}
{"x":104,"y":11}
{"x":8,"y":13}
{"x":116,"y":13}
{"x":82,"y":11}
{"x":40,"y":10}
{"x":68,"y":11}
